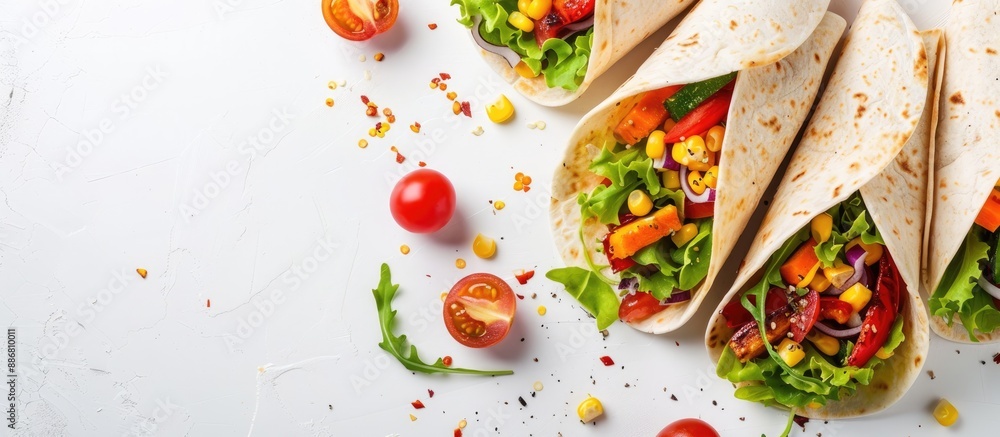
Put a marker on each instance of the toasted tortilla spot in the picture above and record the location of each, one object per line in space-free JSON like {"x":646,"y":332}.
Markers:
{"x":799,"y":176}
{"x":991,"y":51}
{"x":855,"y":166}
{"x":861,"y":96}
{"x":733,"y":25}
{"x":836,"y":191}
{"x":860,"y":112}
{"x":817,"y":58}
{"x":917,"y":360}
{"x":957,"y":98}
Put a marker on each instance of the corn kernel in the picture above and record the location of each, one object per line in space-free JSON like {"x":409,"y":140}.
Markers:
{"x":413,"y":418}
{"x":791,"y":352}
{"x":858,"y":296}
{"x":536,"y":9}
{"x":498,"y":205}
{"x":460,"y":263}
{"x":329,"y":102}
{"x":518,"y":186}
{"x":501,"y":110}
{"x":451,"y":95}
{"x":372,"y":132}
{"x":415,"y":127}
{"x":809,"y":277}
{"x":142,"y":272}
{"x":814,"y":405}
{"x":456,"y":108}
{"x":822,"y":227}
{"x":714,"y":138}
{"x":671,"y":179}
{"x":443,"y":86}
{"x":883,"y":354}
{"x":537,"y":386}
{"x":685,"y":234}
{"x":825,"y":343}
{"x":668,"y":124}
{"x":696,"y":182}
{"x":819,"y":283}
{"x":679,"y":153}
{"x":522,"y":6}
{"x":839,"y":273}
{"x":542,"y":310}
{"x":711,"y":177}
{"x":589,"y":409}
{"x":639,"y":203}
{"x":404,"y":249}
{"x":526,"y":180}
{"x":521,"y":21}
{"x":362,"y":143}
{"x":945,"y":413}
{"x":654,"y":144}
{"x":484,"y":247}
{"x":874,"y":250}
{"x":699,"y":157}
{"x":524,"y":70}
{"x":379,"y":57}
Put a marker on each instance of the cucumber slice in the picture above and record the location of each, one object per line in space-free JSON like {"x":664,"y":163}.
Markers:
{"x":692,"y":95}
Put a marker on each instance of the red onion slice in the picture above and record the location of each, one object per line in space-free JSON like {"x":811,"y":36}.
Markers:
{"x":838,"y":333}
{"x":630,"y":284}
{"x":666,"y":161}
{"x":677,"y":297}
{"x":503,"y":51}
{"x":854,"y":253}
{"x":860,"y":270}
{"x":691,"y":197}
{"x":988,"y":287}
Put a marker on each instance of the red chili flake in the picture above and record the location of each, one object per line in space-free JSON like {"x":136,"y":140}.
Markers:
{"x":519,"y":296}
{"x":436,"y":80}
{"x":378,"y":126}
{"x":607,"y":361}
{"x":422,"y":164}
{"x":446,"y":361}
{"x":432,"y":26}
{"x":400,"y":158}
{"x":417,"y":404}
{"x":430,"y":393}
{"x":467,"y":109}
{"x":524,"y":276}
{"x":801,"y":421}
{"x":445,"y":76}
{"x":996,"y":358}
{"x":364,"y":99}
{"x":208,"y":303}
{"x":458,"y":432}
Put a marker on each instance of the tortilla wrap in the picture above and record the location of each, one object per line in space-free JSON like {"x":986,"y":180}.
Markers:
{"x":871,"y":133}
{"x":619,"y":26}
{"x":967,"y":157}
{"x":782,"y":49}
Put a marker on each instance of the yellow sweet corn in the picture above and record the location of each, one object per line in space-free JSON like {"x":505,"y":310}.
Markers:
{"x":696,"y":182}
{"x":874,"y":250}
{"x":698,"y":156}
{"x":671,"y":179}
{"x":839,"y":273}
{"x":639,"y":203}
{"x":669,"y":123}
{"x":825,"y":343}
{"x":714,"y":137}
{"x":822,"y":227}
{"x":711,"y":177}
{"x":791,"y":352}
{"x":590,"y":409}
{"x":685,"y":234}
{"x":521,"y":21}
{"x":536,"y":9}
{"x":819,"y":283}
{"x":945,"y":413}
{"x":484,"y":247}
{"x":654,"y":144}
{"x":501,"y":110}
{"x":858,"y":296}
{"x":524,"y":70}
{"x":883,"y":354}
{"x":679,"y":153}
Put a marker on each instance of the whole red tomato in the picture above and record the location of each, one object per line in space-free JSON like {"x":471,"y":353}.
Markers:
{"x":423,"y":201}
{"x":688,"y":428}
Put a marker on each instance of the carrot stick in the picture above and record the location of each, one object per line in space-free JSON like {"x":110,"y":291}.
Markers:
{"x":800,"y":263}
{"x":645,"y":116}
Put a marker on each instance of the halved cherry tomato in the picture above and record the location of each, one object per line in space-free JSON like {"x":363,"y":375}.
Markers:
{"x":835,"y":309}
{"x":806,"y":315}
{"x":688,"y":428}
{"x":709,"y":113}
{"x":422,"y":201}
{"x":881,"y":314}
{"x":479,"y":310}
{"x":737,"y":316}
{"x":638,"y":306}
{"x":358,"y":20}
{"x":698,"y":210}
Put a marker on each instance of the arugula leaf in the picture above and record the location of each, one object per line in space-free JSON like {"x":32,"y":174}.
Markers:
{"x":594,"y":294}
{"x":562,"y":62}
{"x":396,"y":346}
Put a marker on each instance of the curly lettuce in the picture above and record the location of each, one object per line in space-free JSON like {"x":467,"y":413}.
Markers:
{"x":851,"y":215}
{"x":959,"y":292}
{"x":562,"y":62}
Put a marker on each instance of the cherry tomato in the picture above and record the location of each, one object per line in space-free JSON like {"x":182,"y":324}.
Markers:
{"x":737,"y":316}
{"x":358,"y":20}
{"x":806,"y":315}
{"x":698,"y":210}
{"x":638,"y":306}
{"x":423,"y":201}
{"x":563,"y":12}
{"x":688,"y":428}
{"x":479,"y":310}
{"x":835,"y":309}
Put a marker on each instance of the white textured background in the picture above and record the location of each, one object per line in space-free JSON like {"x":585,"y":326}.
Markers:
{"x":127,"y":132}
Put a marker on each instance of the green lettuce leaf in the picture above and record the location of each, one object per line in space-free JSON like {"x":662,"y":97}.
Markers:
{"x":694,"y":256}
{"x":591,"y":291}
{"x":959,"y":280}
{"x":562,"y":62}
{"x":850,"y":220}
{"x":627,"y":170}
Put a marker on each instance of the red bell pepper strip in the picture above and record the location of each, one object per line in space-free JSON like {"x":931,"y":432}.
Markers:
{"x":881,"y":314}
{"x":698,"y":210}
{"x":702,"y":118}
{"x":563,"y":12}
{"x":832,"y":308}
{"x":737,"y":316}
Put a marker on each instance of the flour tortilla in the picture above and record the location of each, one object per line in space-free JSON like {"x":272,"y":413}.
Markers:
{"x":782,"y":49}
{"x":871,"y":132}
{"x":967,"y":161}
